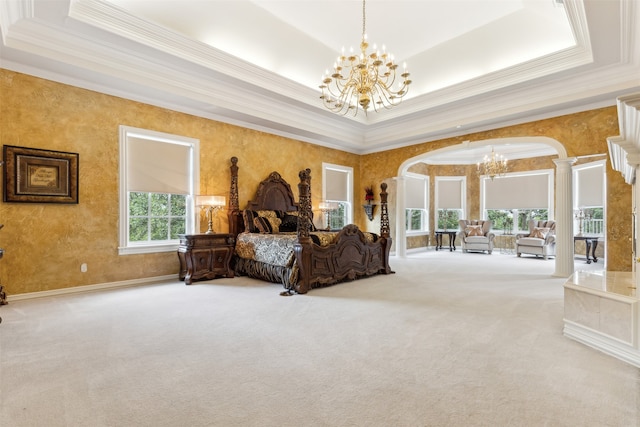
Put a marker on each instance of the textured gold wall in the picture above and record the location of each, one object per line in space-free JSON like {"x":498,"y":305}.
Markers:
{"x":45,"y":244}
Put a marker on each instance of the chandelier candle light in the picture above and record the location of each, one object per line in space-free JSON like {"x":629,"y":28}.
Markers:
{"x":494,"y":165}
{"x":370,"y":80}
{"x":211,"y":204}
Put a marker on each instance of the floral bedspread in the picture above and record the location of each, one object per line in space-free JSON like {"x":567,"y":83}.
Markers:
{"x":277,"y":249}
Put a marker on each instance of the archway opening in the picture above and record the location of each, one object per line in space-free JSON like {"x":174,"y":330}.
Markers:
{"x":465,"y":157}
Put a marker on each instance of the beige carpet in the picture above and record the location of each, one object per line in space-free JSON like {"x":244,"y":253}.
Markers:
{"x":451,"y":339}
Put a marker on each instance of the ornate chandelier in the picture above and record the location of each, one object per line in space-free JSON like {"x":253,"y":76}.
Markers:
{"x":370,"y":81}
{"x":492,"y":165}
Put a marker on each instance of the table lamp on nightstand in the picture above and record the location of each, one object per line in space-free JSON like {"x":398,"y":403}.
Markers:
{"x":210,"y":204}
{"x":326,"y":208}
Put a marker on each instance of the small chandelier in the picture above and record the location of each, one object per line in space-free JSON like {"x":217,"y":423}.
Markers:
{"x":370,"y":80}
{"x":492,"y":165}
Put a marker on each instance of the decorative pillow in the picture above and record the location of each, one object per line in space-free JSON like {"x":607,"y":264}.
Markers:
{"x":248,"y":216}
{"x":267,"y":225}
{"x":289,"y":223}
{"x":268,"y":214}
{"x":539,"y":232}
{"x":474,"y":230}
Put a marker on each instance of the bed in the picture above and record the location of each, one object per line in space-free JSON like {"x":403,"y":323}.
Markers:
{"x":277,"y":242}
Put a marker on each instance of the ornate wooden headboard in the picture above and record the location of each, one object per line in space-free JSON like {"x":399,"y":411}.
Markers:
{"x":274,"y":193}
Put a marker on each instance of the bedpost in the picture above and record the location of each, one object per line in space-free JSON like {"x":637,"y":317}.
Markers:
{"x":385,"y":231}
{"x":234,"y":203}
{"x":384,"y":213}
{"x":304,"y":202}
{"x":302,"y":247}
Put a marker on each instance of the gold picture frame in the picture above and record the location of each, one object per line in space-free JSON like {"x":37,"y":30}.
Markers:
{"x":33,"y":175}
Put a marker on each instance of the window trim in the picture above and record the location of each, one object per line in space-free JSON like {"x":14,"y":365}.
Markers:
{"x":349,"y":171}
{"x":125,"y":132}
{"x":576,"y":188}
{"x":425,"y":216}
{"x":463,"y":193}
{"x":550,"y":190}
{"x":601,"y":164}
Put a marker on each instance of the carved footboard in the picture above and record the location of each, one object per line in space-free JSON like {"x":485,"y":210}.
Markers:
{"x":350,"y":257}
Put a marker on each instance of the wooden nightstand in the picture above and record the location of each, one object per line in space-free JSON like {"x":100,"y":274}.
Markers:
{"x":205,"y":256}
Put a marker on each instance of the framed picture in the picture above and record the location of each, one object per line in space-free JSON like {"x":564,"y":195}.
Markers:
{"x":40,"y":176}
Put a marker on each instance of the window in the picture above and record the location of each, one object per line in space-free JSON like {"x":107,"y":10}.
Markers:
{"x":337,"y":218}
{"x":156,"y":216}
{"x":503,"y":219}
{"x":416,"y":217}
{"x":158,"y":178}
{"x":450,"y":201}
{"x":414,"y":220}
{"x":337,"y":186}
{"x":448,"y":219}
{"x":511,"y":201}
{"x":588,"y":203}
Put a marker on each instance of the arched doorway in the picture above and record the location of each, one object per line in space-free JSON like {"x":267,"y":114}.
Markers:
{"x":517,"y":147}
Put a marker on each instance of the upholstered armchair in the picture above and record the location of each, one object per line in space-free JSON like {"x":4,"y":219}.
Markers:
{"x":476,"y":235}
{"x":541,"y":240}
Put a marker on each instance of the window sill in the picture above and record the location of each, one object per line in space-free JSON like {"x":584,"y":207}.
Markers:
{"x":148,"y":249}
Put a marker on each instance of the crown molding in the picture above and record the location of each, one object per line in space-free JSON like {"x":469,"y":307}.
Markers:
{"x":100,"y":47}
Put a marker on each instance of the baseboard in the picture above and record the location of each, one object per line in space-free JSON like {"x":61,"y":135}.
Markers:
{"x":604,"y":343}
{"x":93,"y":288}
{"x":420,"y":249}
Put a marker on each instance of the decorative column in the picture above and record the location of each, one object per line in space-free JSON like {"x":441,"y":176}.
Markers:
{"x":564,"y":217}
{"x":401,"y":232}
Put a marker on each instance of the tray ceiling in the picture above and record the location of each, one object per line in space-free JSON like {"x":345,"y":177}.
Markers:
{"x":476,"y":64}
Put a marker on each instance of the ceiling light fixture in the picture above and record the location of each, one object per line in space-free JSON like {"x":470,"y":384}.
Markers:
{"x":493,"y":165}
{"x":371,"y":78}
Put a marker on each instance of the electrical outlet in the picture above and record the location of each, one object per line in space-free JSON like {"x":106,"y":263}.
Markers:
{"x":83,"y":267}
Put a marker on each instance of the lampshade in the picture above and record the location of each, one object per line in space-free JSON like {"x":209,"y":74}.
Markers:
{"x":202,"y":200}
{"x":328,"y":206}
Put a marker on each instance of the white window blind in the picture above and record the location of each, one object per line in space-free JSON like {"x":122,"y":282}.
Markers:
{"x":158,"y":166}
{"x":337,"y":185}
{"x":590,"y":183}
{"x":517,"y":192}
{"x":415,"y":192}
{"x":449,"y":193}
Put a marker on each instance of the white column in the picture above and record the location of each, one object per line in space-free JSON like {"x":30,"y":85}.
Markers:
{"x":401,"y":232}
{"x":564,"y":217}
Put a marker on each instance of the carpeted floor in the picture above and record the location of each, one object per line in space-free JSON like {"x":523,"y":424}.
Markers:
{"x":451,"y":339}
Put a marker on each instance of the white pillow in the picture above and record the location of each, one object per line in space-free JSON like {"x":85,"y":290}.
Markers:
{"x":540,"y":232}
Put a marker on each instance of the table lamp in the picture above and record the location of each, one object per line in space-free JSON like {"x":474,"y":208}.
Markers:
{"x":326,"y":208}
{"x":210,"y":204}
